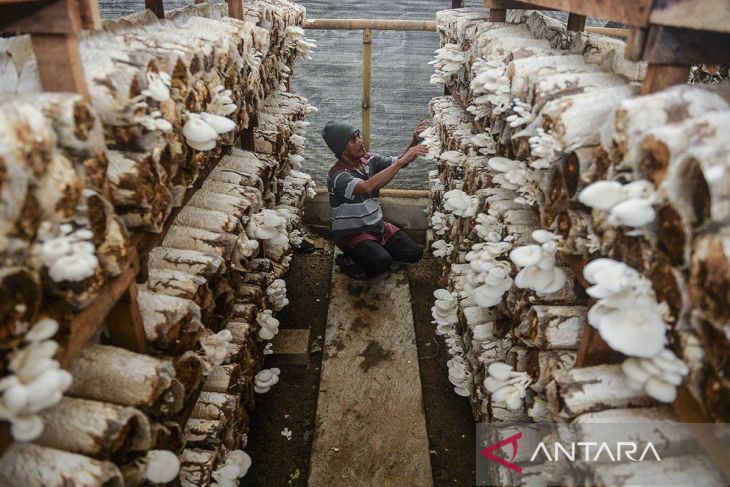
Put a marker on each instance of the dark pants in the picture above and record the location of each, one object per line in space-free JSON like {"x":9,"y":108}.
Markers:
{"x":376,"y":259}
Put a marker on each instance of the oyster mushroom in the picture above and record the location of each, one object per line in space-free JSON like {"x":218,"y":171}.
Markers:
{"x":163,"y":466}
{"x":266,"y":379}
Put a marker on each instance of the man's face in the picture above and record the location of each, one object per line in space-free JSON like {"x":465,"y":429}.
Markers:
{"x":355,"y":148}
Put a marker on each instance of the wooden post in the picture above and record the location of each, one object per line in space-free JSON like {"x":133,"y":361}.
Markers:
{"x":497,"y":15}
{"x":235,"y":9}
{"x":156,"y":6}
{"x":124,"y":323}
{"x":367,"y":45}
{"x":59,"y":63}
{"x":576,"y":23}
{"x":661,"y":76}
{"x":457,"y":3}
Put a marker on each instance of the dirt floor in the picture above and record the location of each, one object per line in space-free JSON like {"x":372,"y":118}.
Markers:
{"x":292,"y":403}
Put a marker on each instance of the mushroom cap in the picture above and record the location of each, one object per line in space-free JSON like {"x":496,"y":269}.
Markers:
{"x":492,"y":385}
{"x":201,"y":146}
{"x":602,"y":195}
{"x":74,"y":267}
{"x":592,"y":268}
{"x":198,"y":131}
{"x":26,"y":428}
{"x":544,"y":236}
{"x":526,"y":255}
{"x":559,"y":280}
{"x":44,"y":329}
{"x":500,"y":371}
{"x":53,"y":249}
{"x":220,"y":124}
{"x":635,"y":332}
{"x":660,"y":390}
{"x":632,"y":213}
{"x":532,"y":277}
{"x":162,"y":466}
{"x":503,"y":164}
{"x":633,"y":370}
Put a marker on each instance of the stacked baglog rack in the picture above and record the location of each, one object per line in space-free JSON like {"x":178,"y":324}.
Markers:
{"x":579,"y":211}
{"x":141,"y":249}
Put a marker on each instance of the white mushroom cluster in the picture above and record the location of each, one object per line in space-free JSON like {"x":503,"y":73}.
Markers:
{"x":522,"y":114}
{"x":449,"y":62}
{"x":158,"y":86}
{"x":304,"y":45}
{"x":269,"y":326}
{"x":460,"y":204}
{"x":629,"y":204}
{"x":505,"y":385}
{"x":488,"y":226}
{"x":431,"y":140}
{"x":537,"y":263}
{"x":271,"y":227}
{"x":545,"y":149}
{"x":453,"y":158}
{"x":460,"y":375}
{"x":627,"y":316}
{"x":276,"y":294}
{"x":490,"y":80}
{"x":485,"y":143}
{"x":296,"y":237}
{"x":441,"y":248}
{"x":658,"y":376}
{"x":266,"y":379}
{"x":202,"y":130}
{"x":440,"y":223}
{"x":445,"y":311}
{"x":162,"y":466}
{"x":70,"y":256}
{"x":235,"y":467}
{"x":216,"y":347}
{"x":487,"y":278}
{"x":514,"y":176}
{"x":36,"y":382}
{"x":221,"y":102}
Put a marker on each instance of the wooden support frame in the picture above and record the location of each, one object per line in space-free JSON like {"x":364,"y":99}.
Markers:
{"x":157,"y":7}
{"x":367,"y":49}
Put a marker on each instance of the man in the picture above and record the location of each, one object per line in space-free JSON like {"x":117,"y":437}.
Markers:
{"x":369,"y":244}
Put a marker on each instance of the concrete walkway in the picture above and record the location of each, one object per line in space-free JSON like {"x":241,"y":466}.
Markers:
{"x":370,"y":428}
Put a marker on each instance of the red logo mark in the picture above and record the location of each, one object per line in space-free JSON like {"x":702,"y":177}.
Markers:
{"x":487,"y":452}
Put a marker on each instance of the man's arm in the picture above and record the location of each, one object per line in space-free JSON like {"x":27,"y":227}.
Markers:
{"x":379,"y":180}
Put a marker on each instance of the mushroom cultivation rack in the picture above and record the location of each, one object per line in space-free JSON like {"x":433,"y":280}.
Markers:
{"x":669,"y":37}
{"x":55,"y":27}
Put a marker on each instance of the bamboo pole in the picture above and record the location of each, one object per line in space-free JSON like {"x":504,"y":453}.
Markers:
{"x":367,"y":48}
{"x":374,"y":24}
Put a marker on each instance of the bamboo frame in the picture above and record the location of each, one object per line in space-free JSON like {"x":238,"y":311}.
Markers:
{"x":367,"y":49}
{"x":373,"y":24}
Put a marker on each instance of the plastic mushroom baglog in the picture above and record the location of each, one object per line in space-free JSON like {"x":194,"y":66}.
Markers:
{"x":537,"y":263}
{"x":266,"y":379}
{"x":658,"y":376}
{"x":269,"y":326}
{"x":627,"y":316}
{"x":276,"y":294}
{"x":36,"y":382}
{"x":505,"y":385}
{"x":162,"y":466}
{"x":629,"y":205}
{"x":235,"y":467}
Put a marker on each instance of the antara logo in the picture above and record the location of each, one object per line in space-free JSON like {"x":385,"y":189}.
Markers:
{"x":591,"y":452}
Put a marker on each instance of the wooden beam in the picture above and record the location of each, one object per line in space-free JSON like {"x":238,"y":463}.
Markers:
{"x":497,"y":15}
{"x":457,"y":3}
{"x":59,"y":63}
{"x":235,"y":9}
{"x":634,"y":12}
{"x":510,"y":4}
{"x":711,"y":15}
{"x":634,"y":50}
{"x":374,"y":24}
{"x":48,"y":17}
{"x":88,"y":11}
{"x":86,"y":324}
{"x":672,"y":45}
{"x":661,"y":76}
{"x":124,"y":323}
{"x":576,"y":23}
{"x":157,"y":7}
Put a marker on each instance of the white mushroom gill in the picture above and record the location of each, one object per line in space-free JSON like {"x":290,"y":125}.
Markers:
{"x":460,"y":204}
{"x":658,"y":376}
{"x":505,"y":385}
{"x":460,"y":375}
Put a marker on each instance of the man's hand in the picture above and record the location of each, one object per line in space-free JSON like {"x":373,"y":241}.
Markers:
{"x":416,"y":137}
{"x":411,"y":154}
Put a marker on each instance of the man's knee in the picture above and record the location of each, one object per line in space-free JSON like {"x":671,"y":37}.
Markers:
{"x":377,"y":264}
{"x":412,"y":253}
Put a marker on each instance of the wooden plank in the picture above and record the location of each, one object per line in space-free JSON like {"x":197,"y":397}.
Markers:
{"x":635,"y":44}
{"x":235,"y":9}
{"x":510,"y":4}
{"x":632,"y":12}
{"x":157,"y":7}
{"x":661,"y":76}
{"x":124,"y":323}
{"x":370,"y":426}
{"x":290,"y":347}
{"x":59,"y":63}
{"x":88,"y":11}
{"x":672,"y":45}
{"x":86,"y":324}
{"x":692,"y":14}
{"x":576,"y":23}
{"x":48,"y":17}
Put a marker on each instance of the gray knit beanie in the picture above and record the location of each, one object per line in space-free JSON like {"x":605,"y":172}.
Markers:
{"x":337,"y":135}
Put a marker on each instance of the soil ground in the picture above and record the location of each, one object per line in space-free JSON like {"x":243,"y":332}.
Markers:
{"x":292,"y":403}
